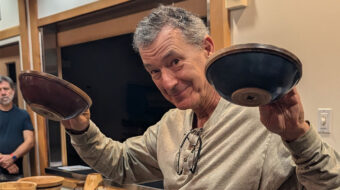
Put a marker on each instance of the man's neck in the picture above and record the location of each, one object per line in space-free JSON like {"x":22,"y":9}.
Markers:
{"x":6,"y":107}
{"x":202,"y":114}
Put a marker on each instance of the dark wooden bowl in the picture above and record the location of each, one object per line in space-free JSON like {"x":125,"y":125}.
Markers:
{"x":253,"y":74}
{"x":52,"y":97}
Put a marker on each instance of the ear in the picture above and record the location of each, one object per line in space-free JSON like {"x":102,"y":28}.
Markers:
{"x":208,"y":45}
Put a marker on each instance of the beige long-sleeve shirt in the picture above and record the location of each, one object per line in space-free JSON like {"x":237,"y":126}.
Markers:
{"x":237,"y":152}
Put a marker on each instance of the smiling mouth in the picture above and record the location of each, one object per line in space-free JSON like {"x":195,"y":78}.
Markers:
{"x":179,"y":93}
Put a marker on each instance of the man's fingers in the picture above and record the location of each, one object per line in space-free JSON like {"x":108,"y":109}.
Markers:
{"x":13,"y":169}
{"x":79,"y":122}
{"x":66,"y":124}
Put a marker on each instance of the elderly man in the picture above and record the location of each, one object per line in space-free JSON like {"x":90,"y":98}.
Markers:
{"x":16,"y":133}
{"x":206,"y":142}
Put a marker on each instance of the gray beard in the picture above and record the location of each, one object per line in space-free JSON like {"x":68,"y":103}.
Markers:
{"x":6,"y":100}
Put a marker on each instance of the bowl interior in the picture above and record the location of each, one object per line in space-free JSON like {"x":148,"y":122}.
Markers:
{"x":52,"y":97}
{"x":253,"y":74}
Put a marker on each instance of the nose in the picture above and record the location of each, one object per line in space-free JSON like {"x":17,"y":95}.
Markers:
{"x":169,"y":80}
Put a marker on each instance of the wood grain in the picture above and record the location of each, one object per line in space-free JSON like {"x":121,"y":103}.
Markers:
{"x":9,"y":32}
{"x":118,"y":26}
{"x":91,"y":7}
{"x":41,"y":121}
{"x":219,"y":24}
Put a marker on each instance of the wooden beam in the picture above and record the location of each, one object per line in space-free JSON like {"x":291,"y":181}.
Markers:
{"x":41,"y":121}
{"x":24,"y":35}
{"x":100,"y":30}
{"x":91,"y":7}
{"x":63,"y":144}
{"x":33,"y":11}
{"x":10,"y":32}
{"x":119,"y":26}
{"x":25,"y":56}
{"x":219,"y":24}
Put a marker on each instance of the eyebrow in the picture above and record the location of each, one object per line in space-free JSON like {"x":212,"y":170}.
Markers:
{"x":166,"y":56}
{"x":169,"y":54}
{"x":146,"y":66}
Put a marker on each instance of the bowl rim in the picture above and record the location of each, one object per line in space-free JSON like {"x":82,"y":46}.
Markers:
{"x":57,"y":80}
{"x":254,"y":47}
{"x":31,"y":184}
{"x":61,"y":81}
{"x":44,"y":181}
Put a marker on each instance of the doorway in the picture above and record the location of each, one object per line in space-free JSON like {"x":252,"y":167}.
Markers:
{"x":10,"y":66}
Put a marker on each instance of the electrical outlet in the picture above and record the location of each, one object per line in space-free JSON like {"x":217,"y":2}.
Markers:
{"x":324,"y":120}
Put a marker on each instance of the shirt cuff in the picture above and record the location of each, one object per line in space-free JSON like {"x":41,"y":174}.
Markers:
{"x":83,"y":138}
{"x":306,"y":145}
{"x":75,"y":132}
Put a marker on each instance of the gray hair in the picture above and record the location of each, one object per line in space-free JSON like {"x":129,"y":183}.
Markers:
{"x":192,"y":27}
{"x":7,"y":79}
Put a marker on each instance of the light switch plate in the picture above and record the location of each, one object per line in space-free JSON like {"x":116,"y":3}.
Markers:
{"x":236,"y":4}
{"x":324,"y":120}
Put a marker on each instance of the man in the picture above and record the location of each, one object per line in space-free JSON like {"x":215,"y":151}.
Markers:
{"x":207,"y":142}
{"x":16,"y":133}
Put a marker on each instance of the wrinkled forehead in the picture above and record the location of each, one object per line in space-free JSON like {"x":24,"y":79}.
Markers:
{"x":166,"y":35}
{"x":4,"y":84}
{"x":165,"y":31}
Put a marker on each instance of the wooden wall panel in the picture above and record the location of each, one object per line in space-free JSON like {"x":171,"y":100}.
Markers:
{"x":119,"y":26}
{"x":24,"y":43}
{"x":36,"y":57}
{"x":219,"y":24}
{"x":91,"y":7}
{"x":25,"y":58}
{"x":62,"y":128}
{"x":10,"y":32}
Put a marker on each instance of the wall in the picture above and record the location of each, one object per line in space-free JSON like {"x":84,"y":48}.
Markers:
{"x":309,"y":29}
{"x":9,"y":14}
{"x":48,"y":8}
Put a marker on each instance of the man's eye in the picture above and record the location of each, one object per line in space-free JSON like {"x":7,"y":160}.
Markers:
{"x":155,"y":74}
{"x":175,"y":61}
{"x":154,"y":71}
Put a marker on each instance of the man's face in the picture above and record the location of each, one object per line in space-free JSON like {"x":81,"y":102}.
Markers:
{"x":177,"y":68}
{"x":6,"y":93}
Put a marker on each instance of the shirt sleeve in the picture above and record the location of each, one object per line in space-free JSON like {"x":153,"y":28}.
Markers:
{"x":28,"y":123}
{"x":133,"y":161}
{"x":317,"y":164}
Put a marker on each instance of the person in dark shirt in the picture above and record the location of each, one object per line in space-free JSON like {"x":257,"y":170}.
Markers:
{"x":16,"y":133}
